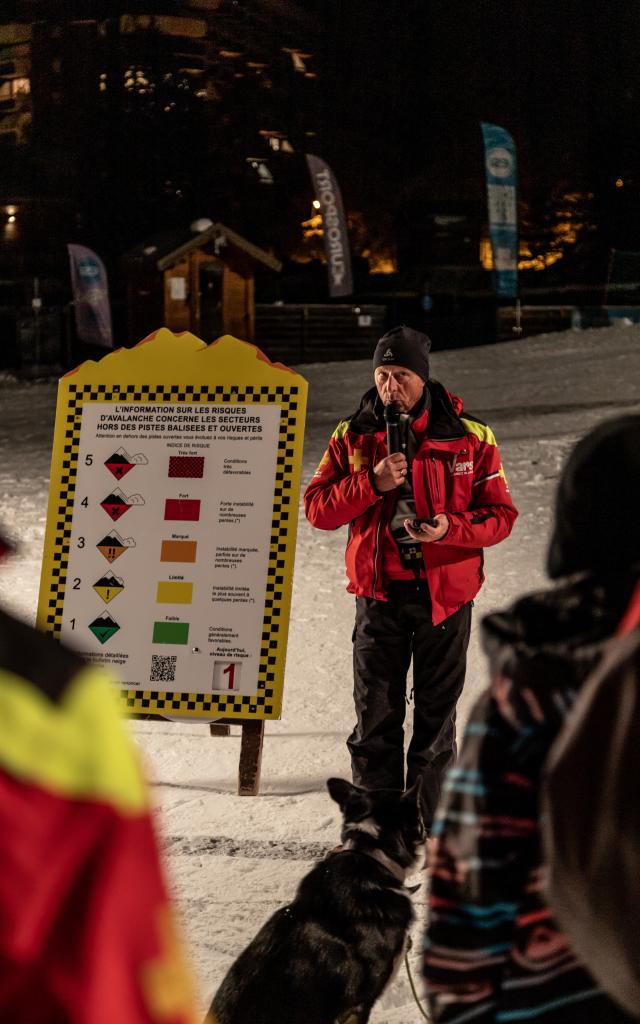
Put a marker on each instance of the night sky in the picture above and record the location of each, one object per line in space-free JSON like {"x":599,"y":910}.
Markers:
{"x":400,"y":90}
{"x":408,"y":84}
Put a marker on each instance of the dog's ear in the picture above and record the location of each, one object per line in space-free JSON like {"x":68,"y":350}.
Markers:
{"x":342,"y":791}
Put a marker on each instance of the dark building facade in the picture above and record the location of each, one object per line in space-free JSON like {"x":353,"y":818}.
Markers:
{"x":118,"y":120}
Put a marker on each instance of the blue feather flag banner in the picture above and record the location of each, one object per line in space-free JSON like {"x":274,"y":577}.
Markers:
{"x":501,"y":174}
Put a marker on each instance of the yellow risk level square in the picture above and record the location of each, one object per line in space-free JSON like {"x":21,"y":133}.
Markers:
{"x":174,"y":593}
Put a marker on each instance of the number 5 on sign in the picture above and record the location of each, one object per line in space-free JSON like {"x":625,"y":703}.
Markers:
{"x":226,"y":675}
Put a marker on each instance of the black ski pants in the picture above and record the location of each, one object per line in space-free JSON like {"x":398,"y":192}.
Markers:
{"x":387,"y":635}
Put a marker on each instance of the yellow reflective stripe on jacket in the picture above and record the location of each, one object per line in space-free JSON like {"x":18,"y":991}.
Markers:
{"x":481,"y":430}
{"x":341,"y":430}
{"x":77,"y":748}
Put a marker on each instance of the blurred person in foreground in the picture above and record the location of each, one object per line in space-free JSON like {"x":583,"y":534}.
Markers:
{"x":494,"y":949}
{"x":86,"y":928}
{"x":414,"y":585}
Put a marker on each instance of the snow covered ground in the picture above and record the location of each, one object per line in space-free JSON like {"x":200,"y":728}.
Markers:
{"x":233,"y":860}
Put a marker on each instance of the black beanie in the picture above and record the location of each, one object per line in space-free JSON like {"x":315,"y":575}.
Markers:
{"x":403,"y":346}
{"x":597,"y":503}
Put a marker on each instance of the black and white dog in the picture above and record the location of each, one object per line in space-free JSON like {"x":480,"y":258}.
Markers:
{"x":328,"y":956}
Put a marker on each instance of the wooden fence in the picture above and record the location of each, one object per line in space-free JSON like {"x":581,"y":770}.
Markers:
{"x":311,"y":333}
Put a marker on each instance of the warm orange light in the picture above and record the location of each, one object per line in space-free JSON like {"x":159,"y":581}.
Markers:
{"x":526,"y":260}
{"x":313,"y":226}
{"x":619,"y":182}
{"x":382,"y":265}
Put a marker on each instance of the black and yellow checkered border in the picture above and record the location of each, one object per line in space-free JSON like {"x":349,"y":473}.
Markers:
{"x":266,"y":701}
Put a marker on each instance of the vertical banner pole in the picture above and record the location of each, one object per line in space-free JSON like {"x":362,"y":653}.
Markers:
{"x":518,"y":324}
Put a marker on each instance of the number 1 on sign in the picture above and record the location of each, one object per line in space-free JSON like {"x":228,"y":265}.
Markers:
{"x":226,"y":676}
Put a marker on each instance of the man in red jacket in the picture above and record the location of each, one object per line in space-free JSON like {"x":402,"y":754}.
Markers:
{"x":414,"y":587}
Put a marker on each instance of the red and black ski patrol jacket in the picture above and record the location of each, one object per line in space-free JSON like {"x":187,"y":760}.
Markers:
{"x":456,"y":469}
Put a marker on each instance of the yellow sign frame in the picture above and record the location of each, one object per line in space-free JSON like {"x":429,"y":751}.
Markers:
{"x":170,"y":368}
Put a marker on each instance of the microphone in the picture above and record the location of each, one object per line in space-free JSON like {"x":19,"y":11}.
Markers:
{"x":392,"y":420}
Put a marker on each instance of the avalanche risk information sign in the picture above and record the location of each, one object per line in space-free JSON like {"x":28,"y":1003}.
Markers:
{"x":172,"y":521}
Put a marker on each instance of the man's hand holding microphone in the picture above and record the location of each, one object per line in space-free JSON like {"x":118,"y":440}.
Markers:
{"x":391,"y":472}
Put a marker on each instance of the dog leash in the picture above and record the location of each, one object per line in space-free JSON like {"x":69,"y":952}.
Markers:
{"x":348,"y":847}
{"x":409,"y":975}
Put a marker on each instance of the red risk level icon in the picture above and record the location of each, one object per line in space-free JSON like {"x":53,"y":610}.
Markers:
{"x":120,"y":463}
{"x":117,"y":503}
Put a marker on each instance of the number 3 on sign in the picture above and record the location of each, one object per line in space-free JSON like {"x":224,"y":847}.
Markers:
{"x":226,"y":676}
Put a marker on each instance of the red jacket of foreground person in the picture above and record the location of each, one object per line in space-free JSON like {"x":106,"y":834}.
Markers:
{"x":456,"y":469}
{"x":86,"y":928}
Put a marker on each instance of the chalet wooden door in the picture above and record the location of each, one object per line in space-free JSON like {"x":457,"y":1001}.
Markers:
{"x":210,"y":288}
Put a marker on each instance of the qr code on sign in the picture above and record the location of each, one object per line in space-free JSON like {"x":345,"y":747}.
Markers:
{"x":163,"y":668}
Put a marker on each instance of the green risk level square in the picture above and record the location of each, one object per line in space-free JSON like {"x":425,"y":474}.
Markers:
{"x":171,"y":632}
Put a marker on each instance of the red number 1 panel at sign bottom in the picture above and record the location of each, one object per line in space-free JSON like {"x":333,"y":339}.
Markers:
{"x":226,"y":675}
